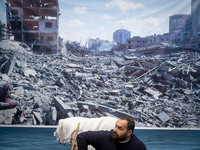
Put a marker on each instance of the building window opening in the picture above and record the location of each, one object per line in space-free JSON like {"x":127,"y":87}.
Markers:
{"x":14,"y":12}
{"x":48,"y":50}
{"x":50,"y":38}
{"x":42,"y":38}
{"x":31,"y":25}
{"x":15,"y":25}
{"x":48,"y":25}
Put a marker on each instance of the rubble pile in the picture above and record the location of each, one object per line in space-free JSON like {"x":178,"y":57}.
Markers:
{"x":158,"y":89}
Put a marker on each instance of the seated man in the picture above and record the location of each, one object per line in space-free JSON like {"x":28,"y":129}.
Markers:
{"x":5,"y":99}
{"x":121,"y":137}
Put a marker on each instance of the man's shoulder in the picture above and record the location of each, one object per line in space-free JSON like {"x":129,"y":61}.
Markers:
{"x":135,"y":138}
{"x":98,"y":132}
{"x":104,"y":132}
{"x":138,"y":142}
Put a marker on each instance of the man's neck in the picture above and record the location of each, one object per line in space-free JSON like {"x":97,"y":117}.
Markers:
{"x":125,"y":141}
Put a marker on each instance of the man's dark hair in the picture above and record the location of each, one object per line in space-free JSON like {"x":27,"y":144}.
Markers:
{"x":131,"y":122}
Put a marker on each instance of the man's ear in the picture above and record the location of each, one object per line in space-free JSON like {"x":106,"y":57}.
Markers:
{"x":130,"y":132}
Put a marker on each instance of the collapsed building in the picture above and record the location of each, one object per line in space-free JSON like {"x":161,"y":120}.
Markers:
{"x":159,"y":89}
{"x":34,"y":22}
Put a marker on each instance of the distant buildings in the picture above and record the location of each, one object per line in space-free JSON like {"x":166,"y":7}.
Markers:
{"x":93,"y":43}
{"x":137,"y":41}
{"x":34,"y":22}
{"x":121,"y":35}
{"x":184,"y":31}
{"x":100,"y":45}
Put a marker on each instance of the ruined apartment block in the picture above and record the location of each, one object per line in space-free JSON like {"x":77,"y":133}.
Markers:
{"x":34,"y":22}
{"x":3,"y":31}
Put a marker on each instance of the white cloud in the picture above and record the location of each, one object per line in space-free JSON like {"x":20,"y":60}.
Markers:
{"x":105,"y":16}
{"x":80,"y":10}
{"x":141,"y":27}
{"x":75,"y":23}
{"x":103,"y":33}
{"x":124,"y":5}
{"x":79,"y":37}
{"x":138,"y":22}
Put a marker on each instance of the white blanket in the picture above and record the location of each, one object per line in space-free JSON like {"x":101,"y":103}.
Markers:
{"x":66,"y":129}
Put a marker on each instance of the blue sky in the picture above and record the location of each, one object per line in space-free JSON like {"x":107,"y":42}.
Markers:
{"x":84,"y":19}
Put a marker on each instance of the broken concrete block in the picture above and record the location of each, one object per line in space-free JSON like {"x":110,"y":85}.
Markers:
{"x":59,"y":82}
{"x":3,"y":60}
{"x":164,"y":68}
{"x":19,"y":91}
{"x":38,"y":117}
{"x":61,"y":106}
{"x":6,"y":116}
{"x":9,"y":65}
{"x":4,"y":77}
{"x":154,"y":93}
{"x":28,"y":72}
{"x":163,"y":116}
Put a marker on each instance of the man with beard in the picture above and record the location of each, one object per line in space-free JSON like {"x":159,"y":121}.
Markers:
{"x":120,"y":138}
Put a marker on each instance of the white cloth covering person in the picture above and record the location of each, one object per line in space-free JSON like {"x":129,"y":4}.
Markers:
{"x":66,"y":129}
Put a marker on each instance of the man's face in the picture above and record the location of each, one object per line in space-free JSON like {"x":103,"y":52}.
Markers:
{"x":120,"y":132}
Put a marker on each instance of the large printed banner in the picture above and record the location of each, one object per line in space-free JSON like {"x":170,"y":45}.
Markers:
{"x":100,"y":58}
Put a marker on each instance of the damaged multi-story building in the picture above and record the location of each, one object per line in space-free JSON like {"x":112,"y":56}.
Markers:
{"x":3,"y":31}
{"x":34,"y":22}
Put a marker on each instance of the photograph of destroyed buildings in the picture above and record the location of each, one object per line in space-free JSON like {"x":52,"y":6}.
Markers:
{"x":101,"y":58}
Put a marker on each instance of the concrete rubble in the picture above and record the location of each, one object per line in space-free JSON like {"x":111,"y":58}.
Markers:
{"x":157,"y":88}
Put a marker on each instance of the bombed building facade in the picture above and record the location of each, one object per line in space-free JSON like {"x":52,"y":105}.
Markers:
{"x":3,"y":31}
{"x":184,"y":31}
{"x":34,"y":22}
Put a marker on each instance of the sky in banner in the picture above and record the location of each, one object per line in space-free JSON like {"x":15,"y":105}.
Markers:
{"x":84,"y":19}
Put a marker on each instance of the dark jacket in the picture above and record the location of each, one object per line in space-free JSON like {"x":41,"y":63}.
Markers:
{"x":102,"y":140}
